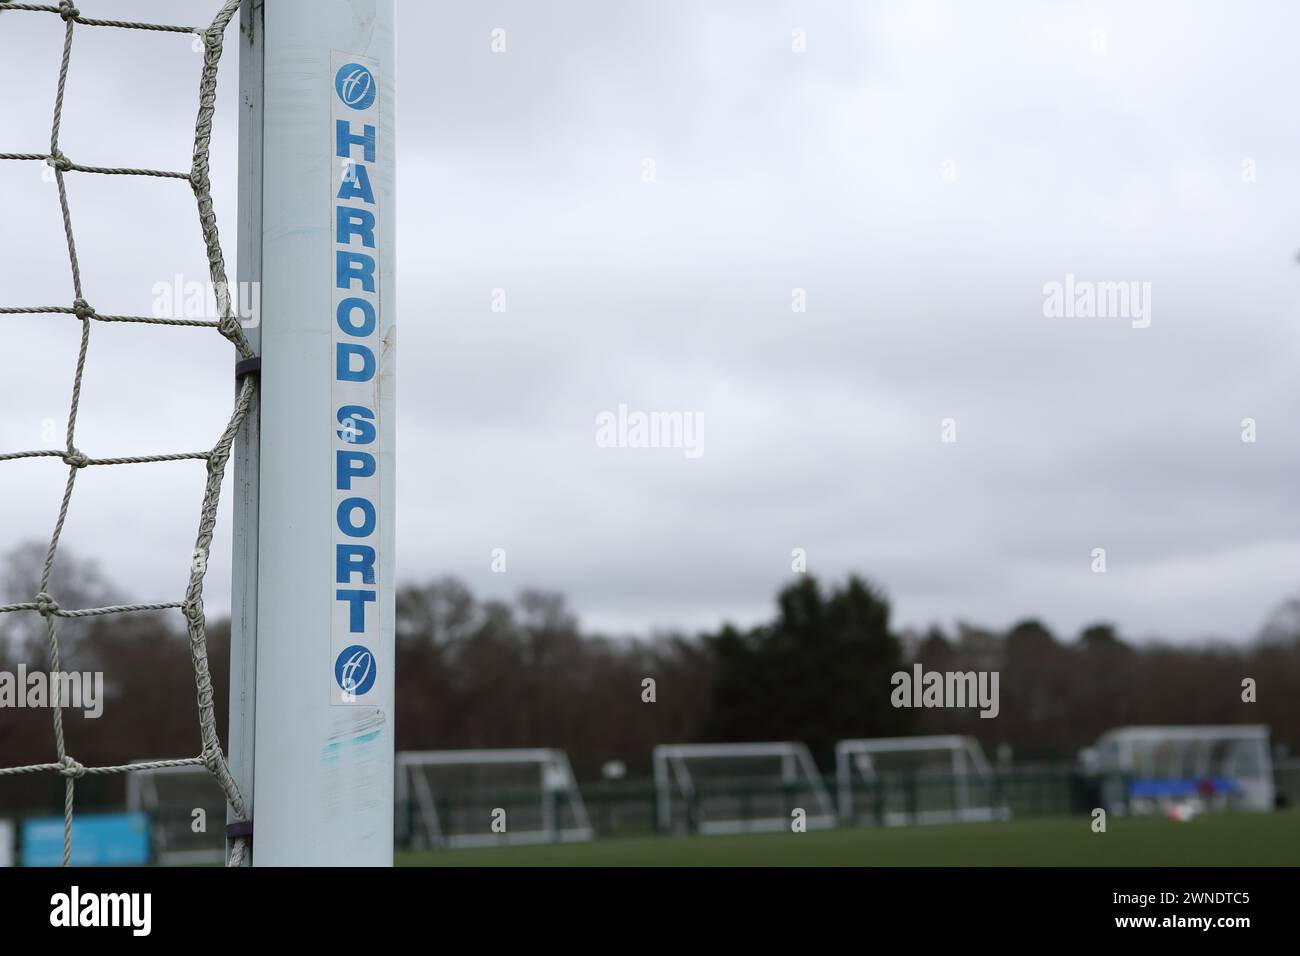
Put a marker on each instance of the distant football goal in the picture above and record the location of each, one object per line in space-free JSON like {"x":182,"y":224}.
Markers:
{"x":1147,"y":769}
{"x":473,"y":798}
{"x":738,"y":788}
{"x":186,"y":809}
{"x":897,"y":781}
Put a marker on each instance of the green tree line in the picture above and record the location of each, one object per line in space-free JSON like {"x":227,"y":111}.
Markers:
{"x":485,"y":673}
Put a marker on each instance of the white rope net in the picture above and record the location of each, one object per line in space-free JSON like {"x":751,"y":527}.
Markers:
{"x":227,"y":325}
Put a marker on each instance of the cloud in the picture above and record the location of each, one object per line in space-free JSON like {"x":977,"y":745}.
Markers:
{"x":920,"y":172}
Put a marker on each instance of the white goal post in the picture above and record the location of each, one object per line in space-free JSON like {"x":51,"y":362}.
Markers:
{"x":902,"y":780}
{"x":508,"y":797}
{"x":312,"y":637}
{"x":738,"y":788}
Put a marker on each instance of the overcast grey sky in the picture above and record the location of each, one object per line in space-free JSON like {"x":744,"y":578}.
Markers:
{"x":921,"y":170}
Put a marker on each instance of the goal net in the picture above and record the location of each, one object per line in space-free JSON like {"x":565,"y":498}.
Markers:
{"x":1148,"y":769}
{"x":78,"y":303}
{"x":467,"y":798}
{"x":738,"y":788}
{"x":895,"y":781}
{"x":311,"y":441}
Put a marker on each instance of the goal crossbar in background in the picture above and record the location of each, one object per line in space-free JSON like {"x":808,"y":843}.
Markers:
{"x":45,"y":603}
{"x":173,"y":798}
{"x":722,"y":805}
{"x":958,"y":786}
{"x":428,"y":793}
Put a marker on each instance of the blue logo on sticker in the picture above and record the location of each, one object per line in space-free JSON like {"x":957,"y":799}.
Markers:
{"x":355,"y":670}
{"x":355,"y":86}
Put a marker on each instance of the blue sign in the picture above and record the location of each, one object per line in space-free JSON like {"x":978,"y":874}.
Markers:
{"x":355,"y":366}
{"x":354,"y":670}
{"x":109,"y":839}
{"x":355,"y":86}
{"x":1182,"y":787}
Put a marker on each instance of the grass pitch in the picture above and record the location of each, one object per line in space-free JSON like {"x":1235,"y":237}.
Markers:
{"x":1263,"y":839}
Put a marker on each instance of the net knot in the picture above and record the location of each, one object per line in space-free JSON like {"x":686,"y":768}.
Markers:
{"x":59,"y":161}
{"x":82,"y":309}
{"x":71,"y":768}
{"x":212,"y":759}
{"x":46,"y":604}
{"x":228,"y":326}
{"x":68,"y":11}
{"x":76,"y":459}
